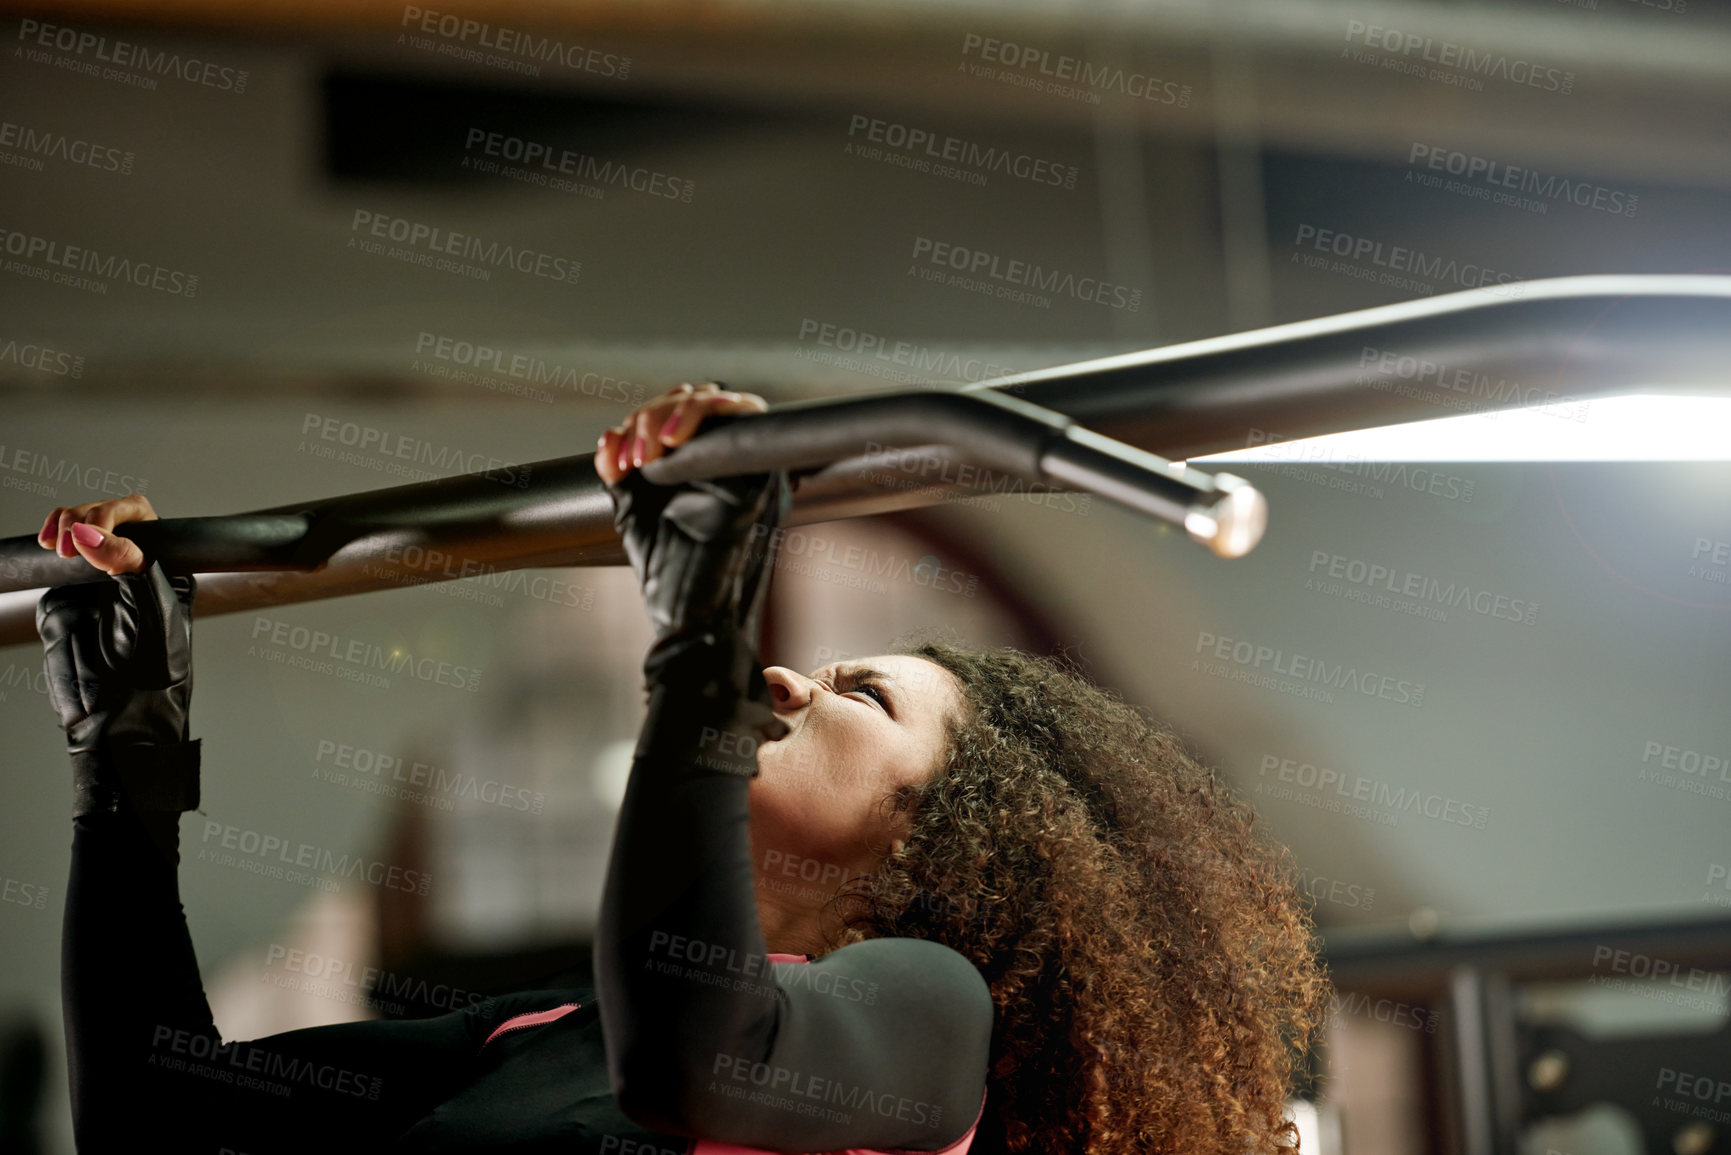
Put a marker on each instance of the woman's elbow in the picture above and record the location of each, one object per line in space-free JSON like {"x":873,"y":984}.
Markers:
{"x":654,"y":1092}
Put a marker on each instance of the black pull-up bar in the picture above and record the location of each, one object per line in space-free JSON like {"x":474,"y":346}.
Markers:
{"x":993,"y":430}
{"x":1576,"y":336}
{"x":1018,"y":438}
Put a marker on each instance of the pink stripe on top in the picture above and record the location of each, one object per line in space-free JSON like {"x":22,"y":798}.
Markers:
{"x":708,"y":1147}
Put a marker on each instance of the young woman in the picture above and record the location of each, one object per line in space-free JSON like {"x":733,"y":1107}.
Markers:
{"x":1036,"y":925}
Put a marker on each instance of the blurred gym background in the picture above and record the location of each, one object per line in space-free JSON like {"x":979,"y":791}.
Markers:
{"x":1519,"y":861}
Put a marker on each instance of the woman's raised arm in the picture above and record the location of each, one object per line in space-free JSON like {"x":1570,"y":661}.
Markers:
{"x":880,"y":1044}
{"x":146,"y":1065}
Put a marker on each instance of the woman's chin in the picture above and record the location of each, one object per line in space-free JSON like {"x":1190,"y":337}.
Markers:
{"x":772,"y":765}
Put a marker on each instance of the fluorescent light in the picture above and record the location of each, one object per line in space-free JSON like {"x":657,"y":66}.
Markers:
{"x":1642,"y":427}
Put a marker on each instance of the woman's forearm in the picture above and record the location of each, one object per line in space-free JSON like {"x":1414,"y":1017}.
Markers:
{"x":130,"y":990}
{"x":681,"y":968}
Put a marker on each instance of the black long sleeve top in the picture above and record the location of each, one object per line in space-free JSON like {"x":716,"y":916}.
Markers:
{"x":697,"y":1040}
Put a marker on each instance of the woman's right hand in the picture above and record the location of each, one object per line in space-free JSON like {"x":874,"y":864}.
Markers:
{"x":663,"y":423}
{"x":699,"y":549}
{"x":96,"y":542}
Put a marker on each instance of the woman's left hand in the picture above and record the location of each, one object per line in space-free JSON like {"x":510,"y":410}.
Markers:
{"x":664,"y":422}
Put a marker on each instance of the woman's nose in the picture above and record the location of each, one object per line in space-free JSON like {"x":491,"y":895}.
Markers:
{"x":790,"y":688}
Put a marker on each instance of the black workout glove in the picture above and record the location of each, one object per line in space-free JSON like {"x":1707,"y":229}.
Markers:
{"x":702,"y":552}
{"x":119,"y":664}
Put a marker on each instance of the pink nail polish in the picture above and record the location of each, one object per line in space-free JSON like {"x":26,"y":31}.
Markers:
{"x":86,"y":535}
{"x":637,"y":451}
{"x":623,"y":460}
{"x":668,"y":426}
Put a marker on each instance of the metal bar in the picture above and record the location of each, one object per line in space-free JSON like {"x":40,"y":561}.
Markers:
{"x":1502,"y":1060}
{"x":475,"y":524}
{"x":1576,"y":336}
{"x":1470,"y":1051}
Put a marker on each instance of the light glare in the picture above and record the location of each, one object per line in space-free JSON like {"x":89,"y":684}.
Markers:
{"x":1640,"y":427}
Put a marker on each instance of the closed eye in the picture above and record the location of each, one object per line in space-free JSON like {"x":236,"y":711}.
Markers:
{"x":868,"y":688}
{"x":860,"y":684}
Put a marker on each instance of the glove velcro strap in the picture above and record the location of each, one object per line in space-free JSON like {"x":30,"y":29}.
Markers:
{"x":149,"y":777}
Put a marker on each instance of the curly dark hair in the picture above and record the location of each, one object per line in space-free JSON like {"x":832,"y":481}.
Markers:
{"x":1150,"y":954}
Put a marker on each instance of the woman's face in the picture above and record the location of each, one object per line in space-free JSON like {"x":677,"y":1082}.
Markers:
{"x":857,"y":730}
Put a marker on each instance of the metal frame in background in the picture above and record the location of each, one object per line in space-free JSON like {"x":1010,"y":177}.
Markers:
{"x":1500,"y":1074}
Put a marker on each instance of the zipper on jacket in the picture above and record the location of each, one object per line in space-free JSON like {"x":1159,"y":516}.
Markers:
{"x":530,"y":1019}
